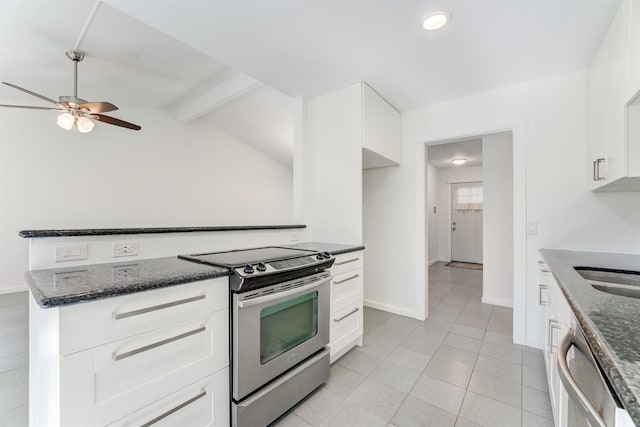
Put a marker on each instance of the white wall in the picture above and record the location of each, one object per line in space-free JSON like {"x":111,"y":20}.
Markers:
{"x":497,"y":245}
{"x":168,"y":174}
{"x":553,"y":113}
{"x":434,"y":212}
{"x":334,"y":162}
{"x":446,"y":177}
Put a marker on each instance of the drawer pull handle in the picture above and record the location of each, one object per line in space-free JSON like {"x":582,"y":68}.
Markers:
{"x":175,"y":409}
{"x":339,"y":319}
{"x":347,"y":261}
{"x":118,"y":316}
{"x":339,"y":282}
{"x":544,"y":270}
{"x":121,"y":356}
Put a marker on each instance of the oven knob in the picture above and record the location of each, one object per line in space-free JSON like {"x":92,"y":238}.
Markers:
{"x":248,"y":269}
{"x":327,"y":255}
{"x":261,"y":267}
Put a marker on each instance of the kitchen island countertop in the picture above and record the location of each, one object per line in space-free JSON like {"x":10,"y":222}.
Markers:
{"x":70,"y":285}
{"x":611,"y":323}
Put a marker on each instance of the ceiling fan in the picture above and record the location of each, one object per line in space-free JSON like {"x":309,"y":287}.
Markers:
{"x":75,"y":111}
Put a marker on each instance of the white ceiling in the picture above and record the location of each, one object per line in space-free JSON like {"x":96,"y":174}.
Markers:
{"x":307,"y":47}
{"x":172,"y":54}
{"x":271,"y":125}
{"x":440,"y":156}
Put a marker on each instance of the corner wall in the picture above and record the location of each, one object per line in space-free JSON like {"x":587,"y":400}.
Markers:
{"x":497,"y":218}
{"x":168,"y":174}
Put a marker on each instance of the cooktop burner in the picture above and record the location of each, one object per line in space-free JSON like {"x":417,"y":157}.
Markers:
{"x":259,"y":267}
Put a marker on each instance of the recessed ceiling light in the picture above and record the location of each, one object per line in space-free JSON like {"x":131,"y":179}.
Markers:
{"x":436,"y":20}
{"x":459,"y":161}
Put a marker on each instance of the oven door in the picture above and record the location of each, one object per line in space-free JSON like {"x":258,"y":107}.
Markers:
{"x":277,"y":327}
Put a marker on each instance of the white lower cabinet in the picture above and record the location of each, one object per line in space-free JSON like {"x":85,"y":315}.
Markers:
{"x":557,"y":323}
{"x":173,"y":374}
{"x":346,"y":303}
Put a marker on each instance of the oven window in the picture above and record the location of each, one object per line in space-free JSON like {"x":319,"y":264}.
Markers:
{"x":287,"y":324}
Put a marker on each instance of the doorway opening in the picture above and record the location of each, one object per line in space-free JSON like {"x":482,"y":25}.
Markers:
{"x":470,"y":211}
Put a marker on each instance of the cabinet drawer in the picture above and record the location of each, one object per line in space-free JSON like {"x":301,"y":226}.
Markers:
{"x":137,"y":371}
{"x":347,"y":262}
{"x":204,"y":403}
{"x":346,"y":326}
{"x":345,"y":322}
{"x":346,"y":290}
{"x":85,"y":326}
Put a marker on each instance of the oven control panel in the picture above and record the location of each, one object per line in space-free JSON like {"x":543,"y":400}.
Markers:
{"x":260,"y":268}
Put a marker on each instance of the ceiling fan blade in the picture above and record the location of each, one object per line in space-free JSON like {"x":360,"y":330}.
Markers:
{"x":98,"y":107}
{"x":30,"y":107}
{"x":113,"y":121}
{"x":31,"y":93}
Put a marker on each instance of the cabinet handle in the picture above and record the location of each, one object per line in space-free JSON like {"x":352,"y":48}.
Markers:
{"x":544,"y":270}
{"x":339,"y":319}
{"x":598,"y":161}
{"x":347,"y":261}
{"x":175,"y":409}
{"x":553,"y":325}
{"x":595,"y":170}
{"x":339,"y":282}
{"x":540,"y":300}
{"x":139,"y":350}
{"x":118,"y":316}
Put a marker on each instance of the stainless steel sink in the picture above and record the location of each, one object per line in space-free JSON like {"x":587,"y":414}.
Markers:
{"x":618,"y":282}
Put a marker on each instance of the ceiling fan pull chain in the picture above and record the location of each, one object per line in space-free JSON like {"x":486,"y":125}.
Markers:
{"x":75,"y":78}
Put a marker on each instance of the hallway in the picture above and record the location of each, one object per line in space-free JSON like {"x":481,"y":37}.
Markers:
{"x":458,"y":368}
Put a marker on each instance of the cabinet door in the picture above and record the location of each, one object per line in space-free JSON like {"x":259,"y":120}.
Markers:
{"x":597,"y":120}
{"x":618,"y":77}
{"x":380,"y":127}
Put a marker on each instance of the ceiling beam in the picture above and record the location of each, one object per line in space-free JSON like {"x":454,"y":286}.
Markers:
{"x":232,"y":88}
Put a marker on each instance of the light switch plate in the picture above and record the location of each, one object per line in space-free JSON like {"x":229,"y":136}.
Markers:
{"x":70,"y":253}
{"x":532,"y":228}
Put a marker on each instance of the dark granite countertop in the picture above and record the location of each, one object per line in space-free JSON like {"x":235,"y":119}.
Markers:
{"x":153,"y":230}
{"x":611,"y":323}
{"x":332,"y":248}
{"x":70,"y":285}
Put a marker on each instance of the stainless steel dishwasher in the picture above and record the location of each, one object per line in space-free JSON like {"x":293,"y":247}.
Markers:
{"x":591,"y":400}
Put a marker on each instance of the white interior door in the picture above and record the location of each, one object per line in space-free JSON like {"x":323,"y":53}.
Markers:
{"x":466,"y":222}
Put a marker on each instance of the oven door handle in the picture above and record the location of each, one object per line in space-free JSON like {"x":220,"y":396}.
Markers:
{"x":278,"y":295}
{"x":570,"y":385}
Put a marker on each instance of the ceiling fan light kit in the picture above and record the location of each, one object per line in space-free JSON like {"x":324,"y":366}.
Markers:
{"x":75,"y":111}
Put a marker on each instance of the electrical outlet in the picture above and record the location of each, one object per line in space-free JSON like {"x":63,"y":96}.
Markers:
{"x":125,"y":249}
{"x":124,"y":272}
{"x":70,"y":253}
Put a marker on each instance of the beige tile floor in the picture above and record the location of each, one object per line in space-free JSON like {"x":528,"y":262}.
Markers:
{"x":458,"y":368}
{"x":14,"y":360}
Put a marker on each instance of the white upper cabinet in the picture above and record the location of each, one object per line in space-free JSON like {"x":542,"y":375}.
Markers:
{"x":380,"y":131}
{"x":614,"y":79}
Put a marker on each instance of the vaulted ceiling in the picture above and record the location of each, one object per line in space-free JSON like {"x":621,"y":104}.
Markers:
{"x":210,"y":58}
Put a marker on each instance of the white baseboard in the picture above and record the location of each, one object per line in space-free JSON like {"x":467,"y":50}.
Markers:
{"x":390,"y":308}
{"x":498,"y":301}
{"x":531,"y":342}
{"x":13,"y":289}
{"x":440,"y":259}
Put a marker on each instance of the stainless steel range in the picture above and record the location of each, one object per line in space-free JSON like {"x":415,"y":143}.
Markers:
{"x":279,"y":328}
